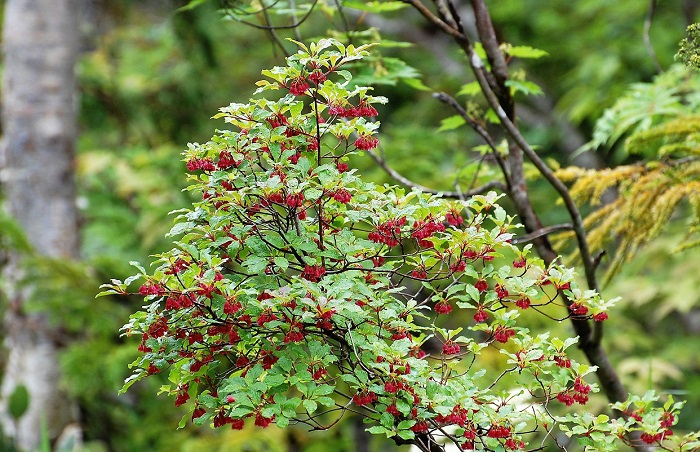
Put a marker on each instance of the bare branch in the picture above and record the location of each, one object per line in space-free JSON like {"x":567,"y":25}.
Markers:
{"x":269,"y":27}
{"x":478,"y":128}
{"x":647,"y":41}
{"x":425,"y":12}
{"x":493,"y":185}
{"x":542,"y":232}
{"x":499,"y":67}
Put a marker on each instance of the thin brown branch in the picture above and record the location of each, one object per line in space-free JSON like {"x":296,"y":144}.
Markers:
{"x":542,"y":232}
{"x":499,"y":67}
{"x":493,"y":185}
{"x":425,"y":12}
{"x":269,"y":27}
{"x":647,"y":40}
{"x":478,"y":128}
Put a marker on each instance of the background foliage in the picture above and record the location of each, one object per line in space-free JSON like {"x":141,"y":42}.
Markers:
{"x":150,"y":80}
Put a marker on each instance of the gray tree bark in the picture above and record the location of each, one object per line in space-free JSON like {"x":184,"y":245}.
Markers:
{"x":40,"y":42}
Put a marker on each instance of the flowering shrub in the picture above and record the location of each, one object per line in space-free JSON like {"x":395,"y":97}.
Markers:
{"x":297,"y":292}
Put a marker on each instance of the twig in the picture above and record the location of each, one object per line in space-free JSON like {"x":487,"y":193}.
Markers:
{"x":478,"y":128}
{"x":425,"y":12}
{"x":542,"y":232}
{"x":499,"y":67}
{"x":647,"y":40}
{"x":273,"y":33}
{"x":493,"y":185}
{"x":270,"y":27}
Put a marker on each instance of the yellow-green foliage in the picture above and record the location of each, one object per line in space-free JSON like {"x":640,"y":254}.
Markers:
{"x":647,"y":197}
{"x":677,"y":136}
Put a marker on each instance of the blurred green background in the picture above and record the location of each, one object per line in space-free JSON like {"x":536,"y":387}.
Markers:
{"x":150,"y":78}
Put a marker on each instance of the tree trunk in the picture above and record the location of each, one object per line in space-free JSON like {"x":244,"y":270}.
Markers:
{"x":40,"y":40}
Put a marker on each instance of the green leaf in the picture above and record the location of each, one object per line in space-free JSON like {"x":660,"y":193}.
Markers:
{"x":525,"y":87}
{"x":282,"y":263}
{"x":191,"y":5}
{"x":526,"y":52}
{"x":375,"y":7}
{"x":310,"y":405}
{"x":451,"y":123}
{"x":18,"y":402}
{"x":407,"y":434}
{"x":378,"y":429}
{"x":326,"y":401}
{"x":415,"y":84}
{"x":470,"y":89}
{"x":585,"y":441}
{"x":281,"y":421}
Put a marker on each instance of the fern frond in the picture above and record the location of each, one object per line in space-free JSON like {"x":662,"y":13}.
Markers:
{"x":671,"y":95}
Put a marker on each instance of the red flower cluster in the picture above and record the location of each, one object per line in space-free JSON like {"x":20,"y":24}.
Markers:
{"x":294,"y":335}
{"x":457,"y":416}
{"x":317,"y":77}
{"x":298,"y":86}
{"x":579,"y":393}
{"x":391,"y":409}
{"x":501,"y":291}
{"x":443,"y":307}
{"x":313,"y":273}
{"x":512,"y":444}
{"x":342,"y":195}
{"x":366,"y":142}
{"x":498,"y":431}
{"x":519,"y":263}
{"x":600,"y":317}
{"x":523,"y":303}
{"x":651,"y":439}
{"x":266,"y":316}
{"x":420,"y":427}
{"x":419,"y":273}
{"x":578,"y":309}
{"x":232,"y":306}
{"x":480,"y":315}
{"x":454,"y":218}
{"x":363,"y":109}
{"x":221,"y":419}
{"x":181,"y":302}
{"x":424,"y":229}
{"x":324,"y":318}
{"x":205,"y":164}
{"x":450,"y":348}
{"x":226,"y":161}
{"x":295,"y":200}
{"x":178,"y":267}
{"x":667,"y":420}
{"x":237,"y":424}
{"x":502,"y":334}
{"x":158,"y":328}
{"x":364,"y":398}
{"x":562,"y":361}
{"x":277,"y":120}
{"x":481,"y":285}
{"x":198,"y":412}
{"x":262,"y":421}
{"x":388,"y":233}
{"x":150,"y":289}
{"x":317,"y":374}
{"x":182,"y":396}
